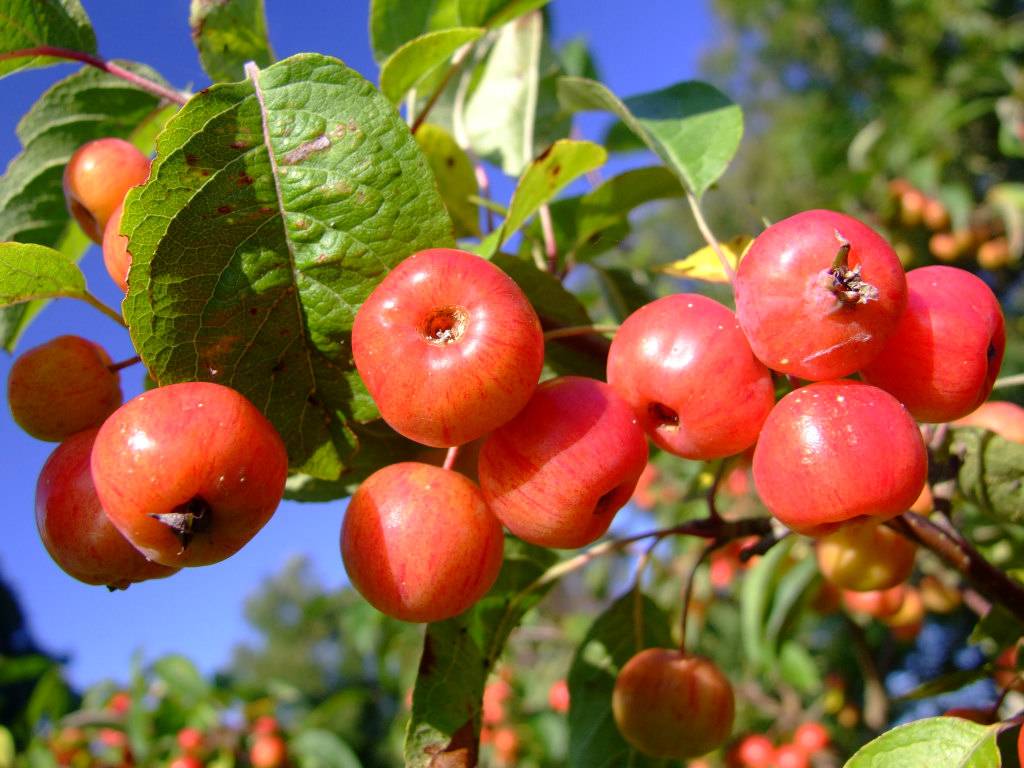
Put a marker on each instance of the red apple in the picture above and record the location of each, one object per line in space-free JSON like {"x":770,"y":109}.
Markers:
{"x":116,"y":258}
{"x":811,"y":737}
{"x":753,"y":751}
{"x":835,"y":451}
{"x":75,"y":529}
{"x":559,"y":471}
{"x":791,"y":756}
{"x":268,"y":751}
{"x":419,"y":542}
{"x":190,"y":740}
{"x":879,"y":603}
{"x":189,"y":472}
{"x":945,"y":354}
{"x":448,"y":346}
{"x":96,"y":179}
{"x":672,"y":705}
{"x":661,"y":362}
{"x":1004,"y":418}
{"x":558,"y":697}
{"x":62,"y":387}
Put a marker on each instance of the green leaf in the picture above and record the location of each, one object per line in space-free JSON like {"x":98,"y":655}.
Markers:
{"x":693,"y":127}
{"x":797,"y":667}
{"x":456,"y":179}
{"x":87,"y":105}
{"x":951,"y":681}
{"x":755,"y":602}
{"x":181,"y":677}
{"x":513,"y":115}
{"x":613,"y":201}
{"x":786,"y":599}
{"x":33,"y":23}
{"x":999,"y":625}
{"x":51,"y":698}
{"x":294,"y":200}
{"x":623,"y":292}
{"x":17,"y":669}
{"x":564,"y":162}
{"x":947,"y":741}
{"x":315,"y":748}
{"x":406,"y":67}
{"x":29,"y":272}
{"x":395,"y":22}
{"x":227,"y":34}
{"x":594,"y":740}
{"x":557,"y":308}
{"x":990,"y":473}
{"x":7,"y":750}
{"x":458,"y":655}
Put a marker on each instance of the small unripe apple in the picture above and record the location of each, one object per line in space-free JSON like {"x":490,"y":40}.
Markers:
{"x":116,"y":258}
{"x":944,"y":355}
{"x":557,"y":473}
{"x":419,"y":542}
{"x":448,"y":346}
{"x":74,"y":528}
{"x":937,"y":596}
{"x":865,"y":556}
{"x":671,"y":704}
{"x":62,"y":387}
{"x":96,"y":179}
{"x":189,"y":472}
{"x":906,"y":621}
{"x":661,"y":362}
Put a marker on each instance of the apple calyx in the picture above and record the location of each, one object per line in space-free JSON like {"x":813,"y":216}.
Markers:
{"x":446,"y":325}
{"x":190,"y":518}
{"x":847,"y":284}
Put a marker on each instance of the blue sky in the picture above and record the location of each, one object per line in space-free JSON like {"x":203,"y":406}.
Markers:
{"x":639,"y":46}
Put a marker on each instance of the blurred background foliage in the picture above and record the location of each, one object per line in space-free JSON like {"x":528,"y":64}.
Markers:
{"x":907,"y":113}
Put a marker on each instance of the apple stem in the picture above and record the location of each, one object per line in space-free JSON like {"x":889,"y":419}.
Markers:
{"x":1009,"y":381}
{"x":450,"y":457}
{"x":846,"y":284}
{"x":709,"y":237}
{"x":579,"y":330}
{"x":711,"y":495}
{"x":168,"y":94}
{"x":688,"y":590}
{"x":120,"y":366}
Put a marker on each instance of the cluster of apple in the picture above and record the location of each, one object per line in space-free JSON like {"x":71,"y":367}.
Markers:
{"x":985,"y":238}
{"x":758,"y":751}
{"x":182,"y":475}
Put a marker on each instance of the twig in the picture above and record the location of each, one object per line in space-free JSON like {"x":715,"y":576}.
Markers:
{"x":579,"y":330}
{"x":457,"y":61}
{"x":709,"y":237}
{"x":138,"y":81}
{"x":1009,"y":381}
{"x":713,"y":490}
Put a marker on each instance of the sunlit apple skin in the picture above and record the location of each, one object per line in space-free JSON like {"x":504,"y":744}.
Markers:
{"x":62,"y":387}
{"x":191,"y":447}
{"x":835,"y":451}
{"x":559,"y":471}
{"x":116,"y":258}
{"x":945,"y":354}
{"x":865,"y":556}
{"x":672,"y":705}
{"x":75,"y":529}
{"x":1004,"y":418}
{"x":794,"y":323}
{"x":268,"y":751}
{"x":96,"y":179}
{"x":662,"y":362}
{"x":879,"y":603}
{"x":419,"y":542}
{"x":448,"y":346}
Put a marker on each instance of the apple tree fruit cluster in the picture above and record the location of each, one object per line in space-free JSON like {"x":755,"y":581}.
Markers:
{"x":294,"y":290}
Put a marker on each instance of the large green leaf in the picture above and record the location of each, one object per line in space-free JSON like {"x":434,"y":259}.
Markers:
{"x":613,"y":639}
{"x":395,"y":22}
{"x":458,"y":655}
{"x":227,"y":34}
{"x":756,"y":604}
{"x":616,"y":198}
{"x":693,"y":127}
{"x":947,"y":741}
{"x":990,"y":472}
{"x":513,"y":114}
{"x":407,"y":66}
{"x":29,"y":271}
{"x":34,"y":23}
{"x":87,"y":105}
{"x":270,"y":214}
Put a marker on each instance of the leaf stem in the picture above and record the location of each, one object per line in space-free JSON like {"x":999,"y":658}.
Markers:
{"x":1009,"y":381}
{"x":92,"y":301}
{"x":579,"y":330}
{"x":709,"y":236}
{"x":688,"y":591}
{"x":163,"y":92}
{"x":547,"y":228}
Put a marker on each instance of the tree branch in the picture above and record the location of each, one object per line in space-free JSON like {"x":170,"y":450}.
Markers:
{"x":168,"y":94}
